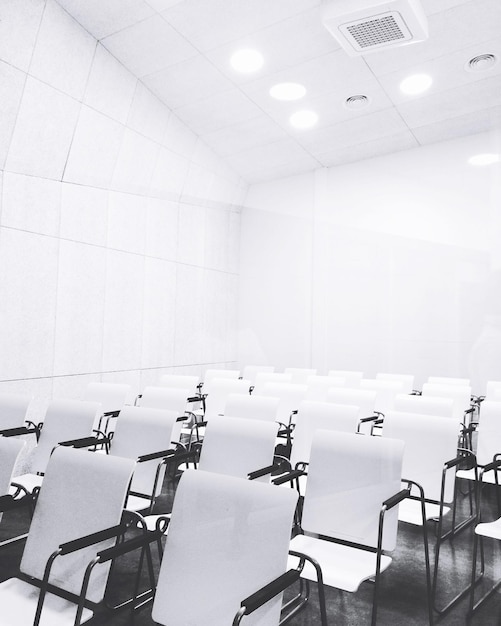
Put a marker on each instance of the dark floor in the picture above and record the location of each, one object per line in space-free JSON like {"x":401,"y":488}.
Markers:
{"x":403,"y":593}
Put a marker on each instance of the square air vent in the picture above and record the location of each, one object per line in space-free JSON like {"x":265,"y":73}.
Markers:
{"x":363,"y":26}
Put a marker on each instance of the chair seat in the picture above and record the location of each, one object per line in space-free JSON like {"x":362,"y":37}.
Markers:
{"x":19,"y":602}
{"x":27,"y":481}
{"x":409,"y":511}
{"x":137,"y":503}
{"x":490,"y":529}
{"x":488,"y":477}
{"x":342,"y":567}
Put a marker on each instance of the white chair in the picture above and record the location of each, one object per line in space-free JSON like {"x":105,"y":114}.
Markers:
{"x":237,"y":447}
{"x":299,"y":375}
{"x":313,"y":416}
{"x":69,"y":507}
{"x":13,"y":410}
{"x":407,"y":380}
{"x":181,"y":381}
{"x":364,"y":399}
{"x":251,"y":371}
{"x":145,"y":436}
{"x":354,"y":487}
{"x":233,"y":535}
{"x":318,"y":386}
{"x":459,"y":394}
{"x":112,"y":397}
{"x":386,"y":390}
{"x":10,"y":451}
{"x":251,"y":407}
{"x":430,"y":460}
{"x":352,"y":377}
{"x":290,"y":396}
{"x":424,"y":405}
{"x":263,"y":378}
{"x":65,"y":420}
{"x":221,"y":388}
{"x":488,"y":449}
{"x":212,"y":374}
{"x":171,"y":399}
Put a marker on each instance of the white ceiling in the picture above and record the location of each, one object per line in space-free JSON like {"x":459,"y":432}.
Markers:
{"x":181,"y":49}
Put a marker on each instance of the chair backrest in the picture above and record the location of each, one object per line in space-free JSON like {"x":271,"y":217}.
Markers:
{"x":252,"y":407}
{"x":446,"y":380}
{"x":220,"y":390}
{"x":407,"y":380}
{"x":141,"y":431}
{"x":313,"y":416}
{"x":290,"y":396}
{"x":13,"y":409}
{"x":349,"y":477}
{"x":82,"y":493}
{"x":430,"y":441}
{"x":262,"y":378}
{"x":111,"y":396}
{"x":460,"y":395}
{"x":352,"y":377}
{"x":386,"y":390}
{"x":64,"y":420}
{"x":236,"y":447}
{"x":232,"y":535}
{"x":365,"y":399}
{"x":10,"y":451}
{"x":300,"y":375}
{"x":318,"y":386}
{"x":251,"y":371}
{"x":489,"y":431}
{"x":181,"y":381}
{"x":424,"y":405}
{"x":171,"y":398}
{"x":212,"y":374}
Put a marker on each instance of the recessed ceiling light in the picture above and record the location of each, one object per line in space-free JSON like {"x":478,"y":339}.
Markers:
{"x":247,"y":60}
{"x":417,"y":83}
{"x":486,"y":158}
{"x":357,"y":102}
{"x":287,"y":91}
{"x":481,"y":63}
{"x":303,"y":119}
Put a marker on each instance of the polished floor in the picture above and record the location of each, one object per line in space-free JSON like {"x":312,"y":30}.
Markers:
{"x":403,"y":592}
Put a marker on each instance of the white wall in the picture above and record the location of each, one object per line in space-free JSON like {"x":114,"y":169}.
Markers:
{"x":380,"y":265}
{"x":118,"y":227}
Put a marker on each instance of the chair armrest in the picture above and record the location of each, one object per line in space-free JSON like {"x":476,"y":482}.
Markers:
{"x":194,"y":399}
{"x":371,"y":418}
{"x":459,"y":459}
{"x":111,"y":413}
{"x":20,"y":430}
{"x":93,"y":538}
{"x":491,"y":466}
{"x":269,"y":591}
{"x":396,"y":498}
{"x":161,"y":454}
{"x":127,"y":546}
{"x":263,"y":471}
{"x":288,"y":477}
{"x":83,"y":442}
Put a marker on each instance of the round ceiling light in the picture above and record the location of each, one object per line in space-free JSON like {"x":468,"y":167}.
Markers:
{"x":486,"y":158}
{"x":357,"y":102}
{"x":247,"y":61}
{"x":481,"y":63}
{"x":304,"y":119}
{"x":287,"y":91}
{"x":416,"y":84}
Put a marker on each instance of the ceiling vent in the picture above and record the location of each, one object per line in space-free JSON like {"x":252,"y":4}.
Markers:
{"x":363,"y":26}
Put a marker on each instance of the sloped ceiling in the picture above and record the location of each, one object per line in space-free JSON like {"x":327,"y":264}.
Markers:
{"x":181,"y":50}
